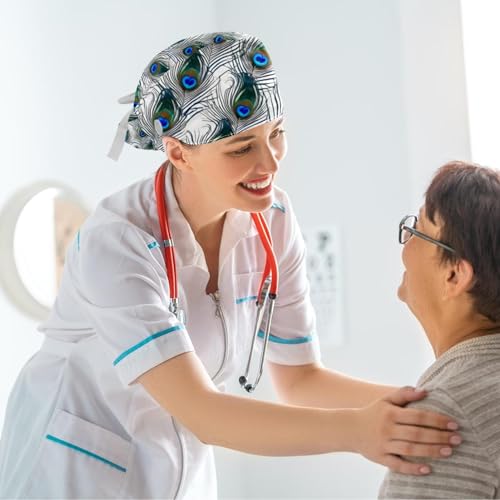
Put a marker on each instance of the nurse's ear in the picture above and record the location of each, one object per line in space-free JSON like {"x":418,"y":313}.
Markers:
{"x":177,"y":153}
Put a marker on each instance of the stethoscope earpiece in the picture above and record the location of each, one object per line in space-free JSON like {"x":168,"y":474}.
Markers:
{"x":243,"y":382}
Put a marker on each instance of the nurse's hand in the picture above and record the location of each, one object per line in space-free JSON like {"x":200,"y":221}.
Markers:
{"x":388,"y":431}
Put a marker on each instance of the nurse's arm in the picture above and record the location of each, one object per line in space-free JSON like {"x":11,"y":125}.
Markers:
{"x":315,"y":385}
{"x":182,"y":386}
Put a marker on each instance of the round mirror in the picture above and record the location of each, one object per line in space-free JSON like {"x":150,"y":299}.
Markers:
{"x":37,"y":224}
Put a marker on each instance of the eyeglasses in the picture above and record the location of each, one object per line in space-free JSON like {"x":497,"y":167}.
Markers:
{"x":407,"y":230}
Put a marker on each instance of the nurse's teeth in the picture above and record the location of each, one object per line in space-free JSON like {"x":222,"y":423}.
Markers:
{"x":257,"y":185}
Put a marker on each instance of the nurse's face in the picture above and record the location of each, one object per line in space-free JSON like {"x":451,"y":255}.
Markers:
{"x":239,"y":171}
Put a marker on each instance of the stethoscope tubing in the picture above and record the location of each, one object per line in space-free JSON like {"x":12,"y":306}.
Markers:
{"x":271,"y":264}
{"x":167,"y":243}
{"x":268,"y":288}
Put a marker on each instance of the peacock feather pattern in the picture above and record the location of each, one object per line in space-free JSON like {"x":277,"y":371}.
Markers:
{"x":157,"y":68}
{"x":202,"y":89}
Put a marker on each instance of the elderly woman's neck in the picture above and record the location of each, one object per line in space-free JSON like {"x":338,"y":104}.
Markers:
{"x":452,"y":329}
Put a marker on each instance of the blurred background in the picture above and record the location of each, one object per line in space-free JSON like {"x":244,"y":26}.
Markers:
{"x":378,"y":94}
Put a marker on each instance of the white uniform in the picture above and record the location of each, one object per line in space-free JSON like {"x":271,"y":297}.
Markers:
{"x":76,"y":424}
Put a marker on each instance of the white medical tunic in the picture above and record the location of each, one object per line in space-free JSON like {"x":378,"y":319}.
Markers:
{"x":77,"y":426}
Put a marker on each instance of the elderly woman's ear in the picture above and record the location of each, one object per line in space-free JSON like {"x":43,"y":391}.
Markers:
{"x":459,"y":279}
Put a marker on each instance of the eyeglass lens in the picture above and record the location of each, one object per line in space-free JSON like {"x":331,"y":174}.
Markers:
{"x":410,"y":222}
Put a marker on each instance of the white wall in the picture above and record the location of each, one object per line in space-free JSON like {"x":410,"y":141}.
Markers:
{"x":481,"y":42}
{"x":435,"y":104}
{"x":369,"y":119}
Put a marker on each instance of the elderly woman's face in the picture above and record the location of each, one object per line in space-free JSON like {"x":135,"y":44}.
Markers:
{"x":421,"y":285}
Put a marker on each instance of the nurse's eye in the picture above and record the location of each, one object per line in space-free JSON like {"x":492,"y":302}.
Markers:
{"x":242,"y":151}
{"x":277,"y":133}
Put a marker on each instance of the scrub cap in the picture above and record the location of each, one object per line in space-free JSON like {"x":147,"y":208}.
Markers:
{"x":199,"y":90}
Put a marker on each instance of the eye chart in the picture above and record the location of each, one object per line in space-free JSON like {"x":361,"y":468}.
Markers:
{"x":324,"y":273}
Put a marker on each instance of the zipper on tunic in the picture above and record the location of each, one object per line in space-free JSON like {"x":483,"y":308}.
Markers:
{"x":219,"y":314}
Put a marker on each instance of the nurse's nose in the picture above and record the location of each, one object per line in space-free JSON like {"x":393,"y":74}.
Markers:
{"x":269,"y":161}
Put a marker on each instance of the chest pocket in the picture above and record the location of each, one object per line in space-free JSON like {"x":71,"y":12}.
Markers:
{"x":78,"y":459}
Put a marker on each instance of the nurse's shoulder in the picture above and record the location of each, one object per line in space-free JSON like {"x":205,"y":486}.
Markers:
{"x":119,"y":231}
{"x":133,"y":205}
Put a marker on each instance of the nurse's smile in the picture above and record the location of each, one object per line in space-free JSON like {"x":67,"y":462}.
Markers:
{"x":258,"y":187}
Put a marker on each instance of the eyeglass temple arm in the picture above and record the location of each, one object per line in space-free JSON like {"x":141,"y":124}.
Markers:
{"x":416,"y":232}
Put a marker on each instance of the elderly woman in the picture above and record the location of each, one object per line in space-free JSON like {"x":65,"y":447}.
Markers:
{"x":451,"y":284}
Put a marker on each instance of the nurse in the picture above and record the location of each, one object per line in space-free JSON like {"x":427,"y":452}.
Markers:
{"x":127,"y":395}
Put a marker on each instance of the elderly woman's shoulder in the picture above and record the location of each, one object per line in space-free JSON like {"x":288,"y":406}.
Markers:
{"x":467,"y":387}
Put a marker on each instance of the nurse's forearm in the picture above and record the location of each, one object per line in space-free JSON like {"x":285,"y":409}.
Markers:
{"x":271,"y":429}
{"x":182,"y":386}
{"x":314,"y":385}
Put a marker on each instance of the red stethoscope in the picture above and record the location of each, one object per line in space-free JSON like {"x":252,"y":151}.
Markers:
{"x":268,"y":289}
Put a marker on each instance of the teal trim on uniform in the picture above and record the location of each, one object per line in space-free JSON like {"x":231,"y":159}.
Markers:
{"x":86,"y":452}
{"x":246,"y":299}
{"x":279,"y":206}
{"x":78,"y":240}
{"x":279,"y":340}
{"x":153,"y":244}
{"x":146,"y":341}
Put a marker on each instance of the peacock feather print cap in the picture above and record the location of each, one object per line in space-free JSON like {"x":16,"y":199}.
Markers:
{"x":199,"y":90}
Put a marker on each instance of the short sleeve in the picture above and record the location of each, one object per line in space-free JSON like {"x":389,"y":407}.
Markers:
{"x":293,"y":339}
{"x":121,"y":282}
{"x":468,"y":473}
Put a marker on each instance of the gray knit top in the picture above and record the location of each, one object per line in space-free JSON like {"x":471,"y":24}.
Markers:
{"x":463,"y":383}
